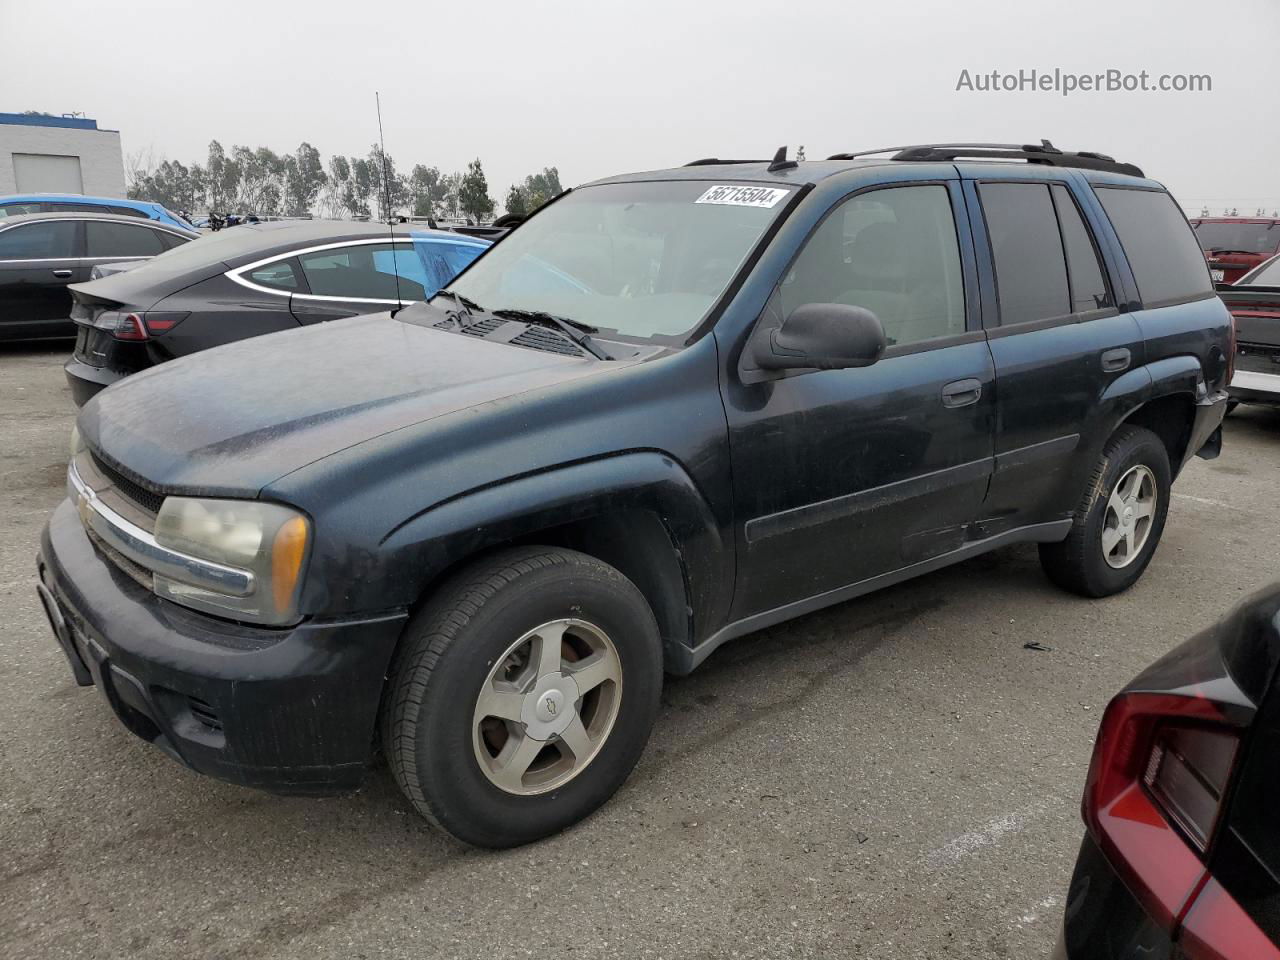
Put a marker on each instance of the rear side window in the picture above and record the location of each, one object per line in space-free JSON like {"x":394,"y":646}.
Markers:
{"x":281,"y":275}
{"x":104,"y":238}
{"x":1031,"y":271}
{"x":53,"y":240}
{"x":171,"y":240}
{"x":353,"y":272}
{"x":1162,"y":251}
{"x":18,"y":209}
{"x":1084,"y":272}
{"x":129,"y":212}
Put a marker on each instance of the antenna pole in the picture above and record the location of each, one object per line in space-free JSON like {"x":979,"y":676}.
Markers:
{"x":386,"y":192}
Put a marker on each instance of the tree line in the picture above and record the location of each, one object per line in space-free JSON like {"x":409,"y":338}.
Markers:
{"x":299,"y":184}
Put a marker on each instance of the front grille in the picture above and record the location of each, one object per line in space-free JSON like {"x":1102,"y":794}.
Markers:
{"x":539,"y":338}
{"x":146,"y":499}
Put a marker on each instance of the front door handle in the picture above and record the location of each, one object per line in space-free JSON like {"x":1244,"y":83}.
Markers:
{"x":62,"y":274}
{"x":1113,"y":361}
{"x":961,"y":393}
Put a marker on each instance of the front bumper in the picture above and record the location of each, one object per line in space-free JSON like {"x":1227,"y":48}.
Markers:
{"x":291,"y":711}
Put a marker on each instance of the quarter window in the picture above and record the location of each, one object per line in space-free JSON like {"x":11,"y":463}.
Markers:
{"x":363,"y":272}
{"x":1031,"y":271}
{"x":892,"y":251}
{"x":281,"y":275}
{"x":1161,"y":248}
{"x":1088,"y":288}
{"x":52,"y":240}
{"x":105,"y":238}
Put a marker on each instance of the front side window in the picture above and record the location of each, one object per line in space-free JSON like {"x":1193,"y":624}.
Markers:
{"x":361,"y":272}
{"x":18,"y":209}
{"x":51,"y":240}
{"x":1168,"y":265}
{"x":644,"y":260}
{"x":893,"y":251}
{"x":105,"y":238}
{"x":1031,"y":269}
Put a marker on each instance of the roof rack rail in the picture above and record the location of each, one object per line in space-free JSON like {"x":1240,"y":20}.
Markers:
{"x":1045,"y":153}
{"x":712,"y":161}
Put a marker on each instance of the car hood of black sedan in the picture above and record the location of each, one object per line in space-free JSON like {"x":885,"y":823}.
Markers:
{"x":231,"y":420}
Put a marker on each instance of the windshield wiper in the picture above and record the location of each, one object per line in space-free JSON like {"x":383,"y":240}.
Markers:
{"x":470,"y":306}
{"x":1224,"y":250}
{"x":575,"y":330}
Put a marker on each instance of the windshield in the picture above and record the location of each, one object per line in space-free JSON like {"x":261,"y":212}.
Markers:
{"x":1216,"y":237}
{"x":640,"y":259}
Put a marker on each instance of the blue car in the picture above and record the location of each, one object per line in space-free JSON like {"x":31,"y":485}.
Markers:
{"x":21,"y":203}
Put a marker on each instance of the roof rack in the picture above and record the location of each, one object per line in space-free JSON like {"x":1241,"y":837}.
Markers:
{"x":1046,"y":153}
{"x":714,"y":161}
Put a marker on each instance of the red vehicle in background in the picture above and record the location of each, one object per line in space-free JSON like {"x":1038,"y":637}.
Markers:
{"x":1235,"y":245}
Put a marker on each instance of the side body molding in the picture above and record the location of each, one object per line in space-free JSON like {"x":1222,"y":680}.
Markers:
{"x":699,"y":565}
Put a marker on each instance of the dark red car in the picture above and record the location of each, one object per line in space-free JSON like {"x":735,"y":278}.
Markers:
{"x":1181,"y":860}
{"x":1235,"y":245}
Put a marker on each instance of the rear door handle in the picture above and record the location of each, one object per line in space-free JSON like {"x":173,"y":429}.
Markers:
{"x":1113,"y":361}
{"x":961,"y":393}
{"x":62,"y":274}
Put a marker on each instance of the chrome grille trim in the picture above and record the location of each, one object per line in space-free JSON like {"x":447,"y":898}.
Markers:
{"x":141,"y":547}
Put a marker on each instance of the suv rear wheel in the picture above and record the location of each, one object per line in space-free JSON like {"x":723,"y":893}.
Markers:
{"x":522,"y":695}
{"x":1119,"y":520}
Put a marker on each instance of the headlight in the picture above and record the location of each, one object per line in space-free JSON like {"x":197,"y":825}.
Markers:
{"x":267,"y":540}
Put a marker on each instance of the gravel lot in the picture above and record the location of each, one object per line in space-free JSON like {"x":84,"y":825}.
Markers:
{"x":895,"y":777}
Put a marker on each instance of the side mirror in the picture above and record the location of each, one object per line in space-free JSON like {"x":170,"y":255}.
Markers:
{"x":823,"y":336}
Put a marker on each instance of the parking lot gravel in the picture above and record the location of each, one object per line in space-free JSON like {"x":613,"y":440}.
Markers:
{"x":896,"y":777}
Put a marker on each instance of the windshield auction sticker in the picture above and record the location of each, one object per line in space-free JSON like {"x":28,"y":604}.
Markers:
{"x":738,"y":196}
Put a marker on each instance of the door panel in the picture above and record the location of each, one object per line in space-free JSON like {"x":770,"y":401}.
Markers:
{"x":37,"y":261}
{"x":1057,"y":345}
{"x":846,"y":474}
{"x":843,"y":475}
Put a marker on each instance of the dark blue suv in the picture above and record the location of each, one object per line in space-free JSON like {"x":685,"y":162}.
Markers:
{"x":669,"y":409}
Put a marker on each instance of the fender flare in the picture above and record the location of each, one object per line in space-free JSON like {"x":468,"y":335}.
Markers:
{"x":440,"y":537}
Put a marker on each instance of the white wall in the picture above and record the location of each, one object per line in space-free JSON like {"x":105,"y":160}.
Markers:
{"x":101,"y":160}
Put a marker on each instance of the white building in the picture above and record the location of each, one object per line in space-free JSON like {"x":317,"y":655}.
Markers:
{"x":41,"y":154}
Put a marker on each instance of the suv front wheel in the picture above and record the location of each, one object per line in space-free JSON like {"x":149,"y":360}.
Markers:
{"x":522,"y":695}
{"x":1119,"y":520}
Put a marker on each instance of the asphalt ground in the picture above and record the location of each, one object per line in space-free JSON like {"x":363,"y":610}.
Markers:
{"x":896,"y":777}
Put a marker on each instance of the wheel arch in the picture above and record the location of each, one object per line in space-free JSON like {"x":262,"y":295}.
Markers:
{"x":1161,"y":397}
{"x":639,"y":512}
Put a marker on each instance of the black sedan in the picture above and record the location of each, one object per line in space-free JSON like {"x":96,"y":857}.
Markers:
{"x":41,"y":253}
{"x":256,"y":279}
{"x":1182,"y":855}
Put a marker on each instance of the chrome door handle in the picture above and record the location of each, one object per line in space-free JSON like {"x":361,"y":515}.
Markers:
{"x":62,"y":274}
{"x":961,"y":393}
{"x":1113,"y":361}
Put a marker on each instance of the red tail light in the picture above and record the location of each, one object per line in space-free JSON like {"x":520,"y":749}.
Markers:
{"x":137,"y":326}
{"x":1161,"y":767}
{"x":1142,"y":786}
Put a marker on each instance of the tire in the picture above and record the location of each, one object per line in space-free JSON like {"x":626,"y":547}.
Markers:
{"x":1080,"y":563}
{"x":459,"y":766}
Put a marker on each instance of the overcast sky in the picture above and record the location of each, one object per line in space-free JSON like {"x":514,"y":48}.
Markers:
{"x":596,"y":88}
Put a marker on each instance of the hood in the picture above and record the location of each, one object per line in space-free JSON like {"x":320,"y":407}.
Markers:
{"x":230,"y":420}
